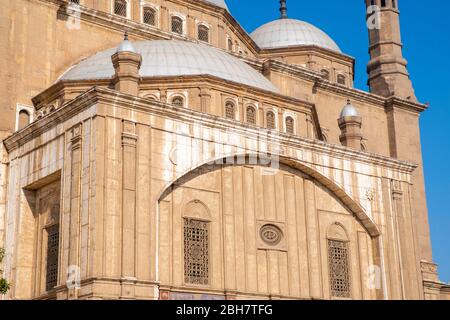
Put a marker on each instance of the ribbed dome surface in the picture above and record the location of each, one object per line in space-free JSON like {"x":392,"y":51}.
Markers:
{"x":162,"y":58}
{"x":283,"y":33}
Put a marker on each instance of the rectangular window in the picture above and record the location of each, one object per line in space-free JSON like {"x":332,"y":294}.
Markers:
{"x":52,"y":257}
{"x":196,"y":252}
{"x":339,"y":269}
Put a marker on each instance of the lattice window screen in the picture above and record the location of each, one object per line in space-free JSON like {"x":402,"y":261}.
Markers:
{"x":341,"y":79}
{"x":120,"y":8}
{"x":149,"y":16}
{"x":230,"y":45}
{"x":230,"y":111}
{"x":270,"y":120}
{"x":178,"y":101}
{"x":203,"y":33}
{"x":52,"y":257}
{"x":251,"y":115}
{"x":289,"y":125}
{"x":177,"y":25}
{"x":196,"y":252}
{"x":325,"y":74}
{"x":339,"y":269}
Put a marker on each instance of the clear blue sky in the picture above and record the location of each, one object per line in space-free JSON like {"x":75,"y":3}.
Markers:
{"x":425,"y":28}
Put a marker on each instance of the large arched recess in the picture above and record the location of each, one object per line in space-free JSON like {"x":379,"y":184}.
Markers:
{"x":336,"y":190}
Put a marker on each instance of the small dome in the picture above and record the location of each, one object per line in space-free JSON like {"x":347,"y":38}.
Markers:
{"x":126,"y":46}
{"x":219,"y":3}
{"x":349,"y":111}
{"x":173,"y":58}
{"x":290,"y":32}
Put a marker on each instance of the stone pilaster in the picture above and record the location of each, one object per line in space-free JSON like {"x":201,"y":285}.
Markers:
{"x":75,"y":195}
{"x":129,"y":144}
{"x":205,"y":100}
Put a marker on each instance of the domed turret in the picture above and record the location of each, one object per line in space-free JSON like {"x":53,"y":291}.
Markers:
{"x":350,"y":123}
{"x":126,"y":45}
{"x":349,"y":110}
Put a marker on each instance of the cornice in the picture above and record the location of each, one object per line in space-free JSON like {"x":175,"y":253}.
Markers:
{"x":292,"y":50}
{"x":353,"y":93}
{"x":188,"y":116}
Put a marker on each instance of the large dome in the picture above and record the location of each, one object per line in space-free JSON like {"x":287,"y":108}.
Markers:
{"x":173,"y":58}
{"x":219,"y":3}
{"x":289,"y":32}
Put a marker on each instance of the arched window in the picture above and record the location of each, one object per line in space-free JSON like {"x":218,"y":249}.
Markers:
{"x":177,"y":25}
{"x":52,"y":257}
{"x":196,"y":252}
{"x":120,"y":7}
{"x":338,"y":262}
{"x":289,"y":125}
{"x":149,"y":16}
{"x":341,"y":79}
{"x":178,"y":101}
{"x":230,"y":111}
{"x":325,"y":74}
{"x":251,"y":115}
{"x":24,"y":119}
{"x":270,"y":120}
{"x":203,"y":33}
{"x":230,"y":45}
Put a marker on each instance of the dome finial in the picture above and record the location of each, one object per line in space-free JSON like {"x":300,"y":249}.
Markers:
{"x":126,"y":44}
{"x":283,"y":9}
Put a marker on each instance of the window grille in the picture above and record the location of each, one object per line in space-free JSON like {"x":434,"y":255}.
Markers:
{"x":270,"y":120}
{"x":203,"y":33}
{"x":52,"y":257}
{"x":341,"y":79}
{"x":230,"y":45}
{"x":178,"y":101}
{"x":120,"y":8}
{"x":177,"y":25}
{"x":289,"y":125}
{"x":149,"y":16}
{"x":339,"y":269}
{"x":325,"y":74}
{"x":251,"y":115}
{"x":196,"y":252}
{"x":230,"y":111}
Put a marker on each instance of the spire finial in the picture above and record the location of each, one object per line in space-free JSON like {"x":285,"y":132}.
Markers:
{"x":283,"y":9}
{"x":125,"y":36}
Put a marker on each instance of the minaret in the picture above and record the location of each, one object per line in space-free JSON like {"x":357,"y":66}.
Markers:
{"x":388,"y":75}
{"x":283,"y":9}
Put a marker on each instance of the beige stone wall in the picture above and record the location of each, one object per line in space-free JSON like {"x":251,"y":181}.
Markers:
{"x":116,"y":158}
{"x":90,"y":146}
{"x":240,"y":200}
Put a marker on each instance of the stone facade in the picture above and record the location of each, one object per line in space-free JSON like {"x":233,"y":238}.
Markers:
{"x":138,"y":197}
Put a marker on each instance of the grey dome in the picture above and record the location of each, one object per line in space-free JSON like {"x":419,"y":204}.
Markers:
{"x":174,"y":58}
{"x":126,"y":46}
{"x":349,"y":111}
{"x":289,"y":32}
{"x":219,"y":3}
